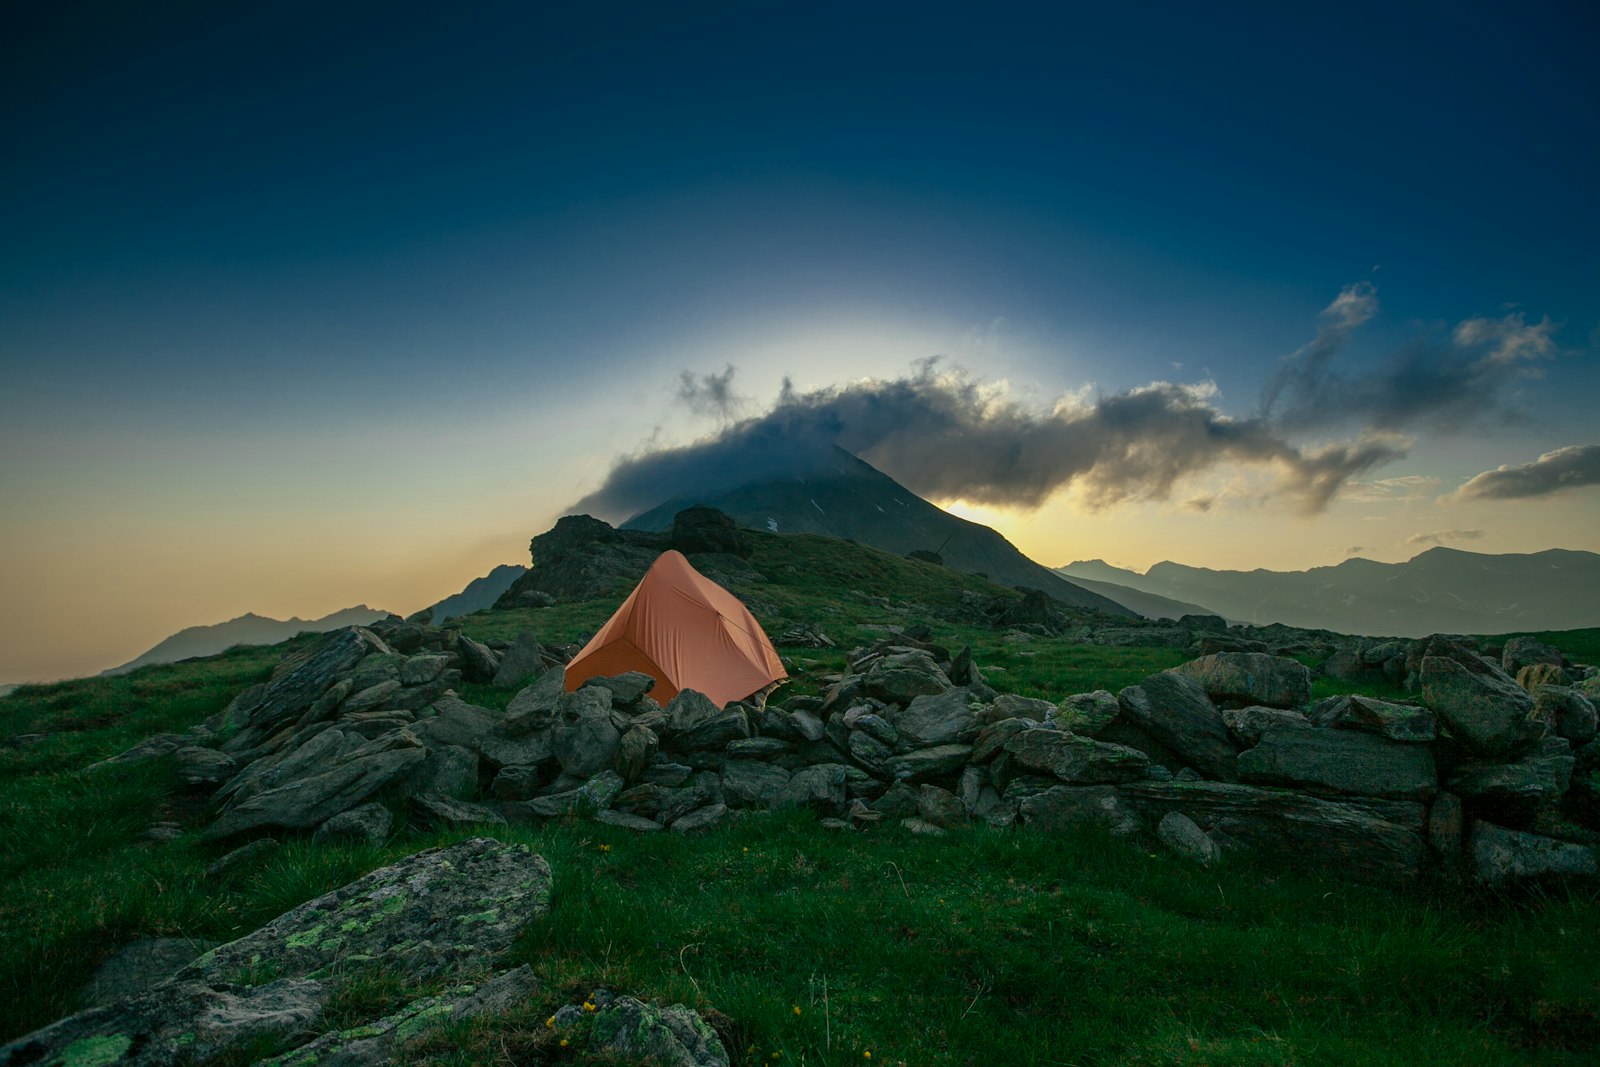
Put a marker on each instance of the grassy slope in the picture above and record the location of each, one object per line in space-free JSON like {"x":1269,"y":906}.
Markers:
{"x":979,"y":948}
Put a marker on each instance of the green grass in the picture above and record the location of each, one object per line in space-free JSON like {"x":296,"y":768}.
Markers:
{"x":983,"y":947}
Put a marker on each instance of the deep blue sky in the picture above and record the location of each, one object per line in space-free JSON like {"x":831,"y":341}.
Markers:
{"x":228,"y":230}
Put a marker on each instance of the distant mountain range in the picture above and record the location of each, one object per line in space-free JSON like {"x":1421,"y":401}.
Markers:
{"x":848,"y":498}
{"x":480,"y":593}
{"x":1443,"y":590}
{"x":248,"y":629}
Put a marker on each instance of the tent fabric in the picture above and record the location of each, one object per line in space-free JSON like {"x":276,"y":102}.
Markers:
{"x":685,"y":631}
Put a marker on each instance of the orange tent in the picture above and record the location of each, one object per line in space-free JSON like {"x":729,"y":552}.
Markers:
{"x":687,"y":632}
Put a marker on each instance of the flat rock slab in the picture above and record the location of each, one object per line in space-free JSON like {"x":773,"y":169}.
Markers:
{"x":187,"y":1022}
{"x":1075,"y":759}
{"x":438,"y":911}
{"x":1379,"y":842}
{"x":1244,"y":678}
{"x":1340,"y":761}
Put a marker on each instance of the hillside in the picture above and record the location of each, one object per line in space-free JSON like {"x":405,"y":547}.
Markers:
{"x":1442,"y":590}
{"x":247,"y":629}
{"x":852,"y":500}
{"x":479,"y":593}
{"x":1150,"y":605}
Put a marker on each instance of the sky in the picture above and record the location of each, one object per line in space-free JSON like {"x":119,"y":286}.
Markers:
{"x":304,"y":306}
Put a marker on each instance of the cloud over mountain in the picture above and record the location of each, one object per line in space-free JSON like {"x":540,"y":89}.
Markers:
{"x":1439,"y":537}
{"x":946,"y":434}
{"x":1567,"y":468}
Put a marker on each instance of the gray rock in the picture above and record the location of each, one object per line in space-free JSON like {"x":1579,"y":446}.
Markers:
{"x":807,"y":725}
{"x":636,"y":750}
{"x":626,"y":688}
{"x":667,"y":773}
{"x":368,"y":824}
{"x":1175,"y":710}
{"x":138,"y":967}
{"x":523,"y":660}
{"x":1074,"y":759}
{"x":757,"y":748}
{"x":1446,"y":820}
{"x":436,"y":810}
{"x":689,"y":709}
{"x":535,"y":707}
{"x":1248,"y":724}
{"x":518,"y":783}
{"x":295,"y":686}
{"x":1243,"y":678}
{"x":683,"y":801}
{"x":302,"y":803}
{"x":1375,"y":841}
{"x":382,"y":1042}
{"x":922,"y":827}
{"x":992,"y":739}
{"x":924,"y":763}
{"x":374,"y":696}
{"x":1012,"y":706}
{"x":937,"y":719}
{"x":187,"y":1022}
{"x":715,"y":732}
{"x":1183,"y":836}
{"x":151,"y":748}
{"x":1485,"y":710}
{"x":204,"y":766}
{"x":478,"y":662}
{"x":940,"y":806}
{"x":1340,"y":761}
{"x":627,"y":821}
{"x":422,"y":668}
{"x":632,"y":1031}
{"x":1088,"y":713}
{"x":900,"y":800}
{"x":869,"y":752}
{"x":700,"y":819}
{"x":754,"y":784}
{"x":1540,"y":775}
{"x":584,"y":740}
{"x":1499,"y":856}
{"x":1520,"y":652}
{"x":820,"y":787}
{"x":1397,"y":722}
{"x":970,"y":788}
{"x":455,"y":722}
{"x":244,"y":854}
{"x":448,"y":769}
{"x":1568,"y":712}
{"x":902,"y":678}
{"x":1065,"y":806}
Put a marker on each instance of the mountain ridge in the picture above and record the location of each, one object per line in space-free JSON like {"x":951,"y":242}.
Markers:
{"x":246,"y":629}
{"x":1441,"y":590}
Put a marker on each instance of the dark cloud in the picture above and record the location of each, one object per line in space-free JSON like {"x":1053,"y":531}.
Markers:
{"x":943,"y":434}
{"x":1554,"y":472}
{"x":1439,"y":537}
{"x":711,"y":394}
{"x":1355,"y":550}
{"x":1446,"y":385}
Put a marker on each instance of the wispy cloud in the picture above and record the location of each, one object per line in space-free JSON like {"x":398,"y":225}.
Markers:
{"x":1355,"y":550}
{"x":1554,"y":472}
{"x":1439,"y":537}
{"x":712,"y":394}
{"x":1385,"y":490}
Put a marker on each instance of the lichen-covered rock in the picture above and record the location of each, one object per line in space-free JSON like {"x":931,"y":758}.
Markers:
{"x":923,"y":763}
{"x":204,"y":766}
{"x":940,"y":806}
{"x":714,"y":732}
{"x":936,"y":719}
{"x":819,"y":787}
{"x":449,"y":769}
{"x":753,"y":783}
{"x":703,"y":818}
{"x":381,"y":1041}
{"x":435,"y":809}
{"x":1568,"y":712}
{"x":1520,"y":652}
{"x":535,"y":706}
{"x":138,"y":967}
{"x":186,"y":1022}
{"x":1539,"y":775}
{"x":672,"y":1036}
{"x":1088,"y":713}
{"x":1243,"y":678}
{"x":1249,"y":723}
{"x":436,"y":912}
{"x":1397,"y":722}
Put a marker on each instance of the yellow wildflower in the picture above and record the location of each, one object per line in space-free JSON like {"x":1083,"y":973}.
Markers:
{"x":797,"y":1009}
{"x":587,"y":1006}
{"x":550,"y":1023}
{"x":563,"y":1042}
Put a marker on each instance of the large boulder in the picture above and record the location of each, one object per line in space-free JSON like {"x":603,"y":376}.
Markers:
{"x":1183,"y":836}
{"x":479,"y":663}
{"x":901,"y":677}
{"x":1249,"y":723}
{"x":1340,"y":761}
{"x":1174,"y":709}
{"x":1370,"y":841}
{"x":753,"y":783}
{"x":1568,"y":713}
{"x":628,"y":1030}
{"x":1397,"y":722}
{"x":523,"y":660}
{"x":1088,"y":713}
{"x":1484,"y":710}
{"x":1537,"y":776}
{"x":1243,"y":678}
{"x":819,"y":787}
{"x":1520,"y":652}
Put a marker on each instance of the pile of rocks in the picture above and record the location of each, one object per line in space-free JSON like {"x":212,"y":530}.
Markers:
{"x":1481,"y":770}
